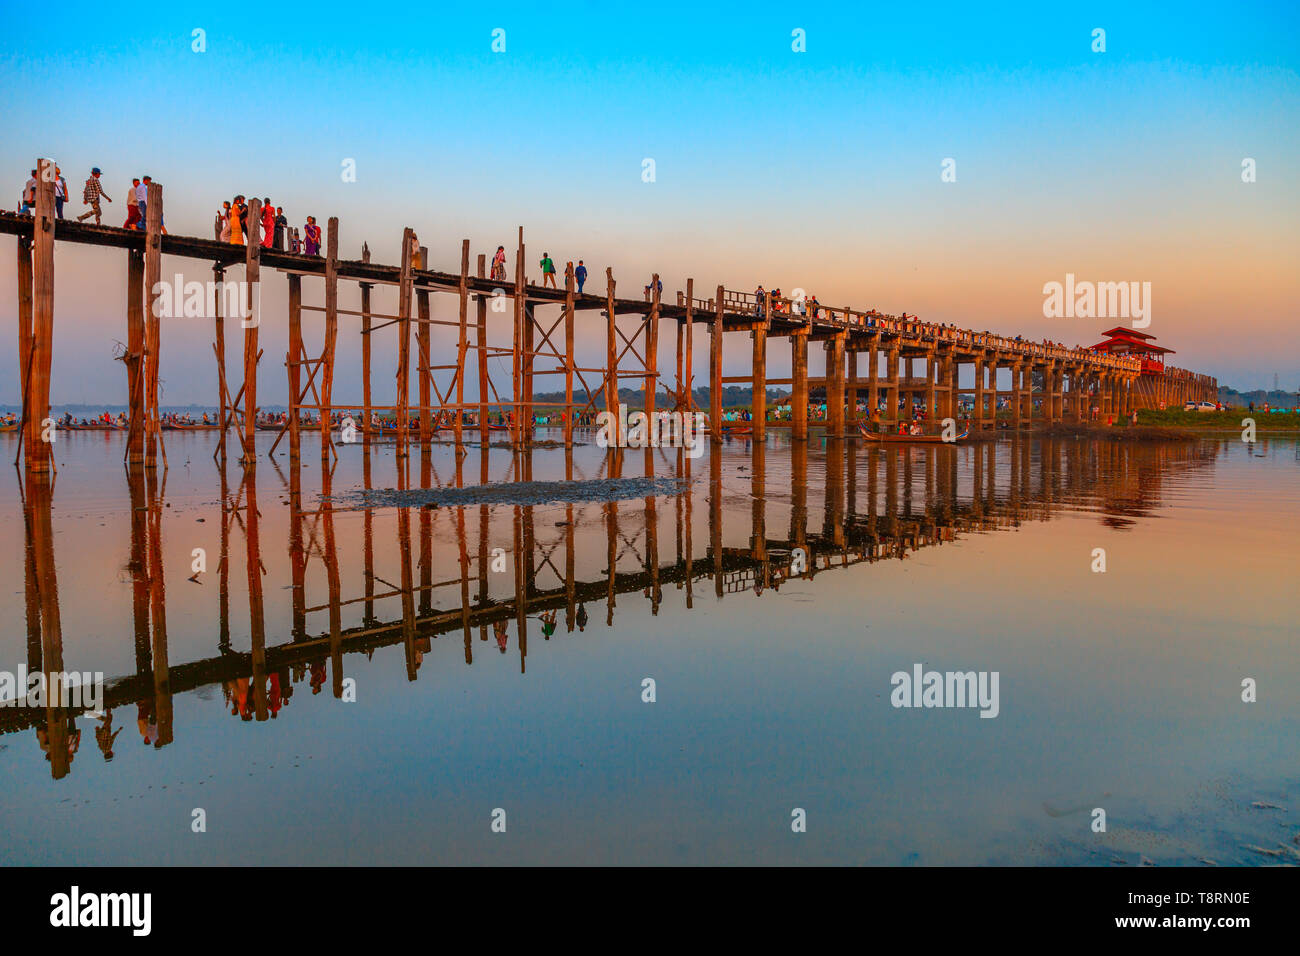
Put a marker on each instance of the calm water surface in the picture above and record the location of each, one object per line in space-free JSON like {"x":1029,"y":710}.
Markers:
{"x":230,"y":690}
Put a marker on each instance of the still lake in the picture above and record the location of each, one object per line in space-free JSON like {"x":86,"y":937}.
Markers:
{"x":388,"y":677}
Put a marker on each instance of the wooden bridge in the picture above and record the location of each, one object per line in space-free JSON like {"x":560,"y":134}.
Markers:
{"x":921,"y":361}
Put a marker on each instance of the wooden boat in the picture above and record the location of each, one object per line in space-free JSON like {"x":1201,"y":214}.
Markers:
{"x":910,"y":439}
{"x":9,"y":428}
{"x":190,"y":426}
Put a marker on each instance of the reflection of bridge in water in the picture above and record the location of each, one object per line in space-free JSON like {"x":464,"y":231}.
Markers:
{"x":862,"y":505}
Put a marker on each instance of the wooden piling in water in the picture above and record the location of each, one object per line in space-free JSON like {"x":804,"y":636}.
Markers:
{"x":568,"y":372}
{"x":462,"y":347}
{"x":652,"y":349}
{"x":252,"y":272}
{"x":331,"y":335}
{"x":404,"y":343}
{"x":715,"y":371}
{"x":799,"y":385}
{"x":134,"y":357}
{"x":422,"y":353}
{"x":480,"y":318}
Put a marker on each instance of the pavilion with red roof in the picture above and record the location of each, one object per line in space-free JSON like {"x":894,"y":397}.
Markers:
{"x":1135,"y":344}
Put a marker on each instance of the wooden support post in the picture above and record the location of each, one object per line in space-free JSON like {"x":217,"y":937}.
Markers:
{"x":931,"y":374}
{"x":517,"y":365}
{"x":715,"y":375}
{"x":758,"y":400}
{"x":25,"y":334}
{"x":568,"y":370}
{"x":978,"y":414}
{"x":835,"y":385}
{"x":873,"y":375}
{"x":135,"y":358}
{"x":249,"y":320}
{"x":404,"y":341}
{"x":295,"y":359}
{"x":891,"y":372}
{"x":799,"y":385}
{"x":153,"y":322}
{"x":331,"y":335}
{"x":219,"y":346}
{"x":365,"y":347}
{"x":850,"y":391}
{"x":688,"y":372}
{"x":462,"y":353}
{"x":422,"y":353}
{"x":611,"y":359}
{"x":1017,"y":404}
{"x":480,"y":319}
{"x":652,"y":351}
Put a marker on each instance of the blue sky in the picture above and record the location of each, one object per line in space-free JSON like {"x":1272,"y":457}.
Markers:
{"x":817,"y":169}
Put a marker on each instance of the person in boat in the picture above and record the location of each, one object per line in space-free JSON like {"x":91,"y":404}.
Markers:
{"x":915,"y":429}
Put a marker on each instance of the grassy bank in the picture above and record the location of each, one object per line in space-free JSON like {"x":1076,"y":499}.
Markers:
{"x":1228,"y":420}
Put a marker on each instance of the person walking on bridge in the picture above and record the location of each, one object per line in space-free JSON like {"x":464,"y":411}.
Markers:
{"x":91,"y":195}
{"x":311,"y":235}
{"x":142,"y":200}
{"x":580,"y":275}
{"x":548,"y":271}
{"x":132,"y":206}
{"x":499,"y":264}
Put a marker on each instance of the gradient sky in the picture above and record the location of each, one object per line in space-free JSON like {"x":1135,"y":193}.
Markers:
{"x":818,"y":170}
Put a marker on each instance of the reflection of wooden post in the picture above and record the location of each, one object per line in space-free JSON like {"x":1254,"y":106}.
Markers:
{"x":153,"y":325}
{"x":331,"y":334}
{"x":715,"y":515}
{"x":139,"y":565}
{"x":256,"y":608}
{"x":426,"y":534}
{"x":758,"y":495}
{"x":715,"y":372}
{"x":297,"y":553}
{"x":611,"y":540}
{"x":521,"y":591}
{"x":404,"y":342}
{"x":252,"y":267}
{"x":158,"y":615}
{"x":45,"y":614}
{"x":480,"y":304}
{"x":570,"y":557}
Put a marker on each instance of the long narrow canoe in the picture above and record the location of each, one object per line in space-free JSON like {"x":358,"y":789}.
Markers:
{"x":910,"y":439}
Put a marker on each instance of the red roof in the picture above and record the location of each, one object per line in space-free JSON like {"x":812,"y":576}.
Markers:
{"x":1121,"y":330}
{"x":1144,"y":346}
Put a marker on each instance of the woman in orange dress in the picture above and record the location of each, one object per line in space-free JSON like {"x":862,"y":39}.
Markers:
{"x":237,"y":221}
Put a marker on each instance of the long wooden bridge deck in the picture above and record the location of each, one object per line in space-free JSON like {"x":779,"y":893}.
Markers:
{"x":1073,"y":380}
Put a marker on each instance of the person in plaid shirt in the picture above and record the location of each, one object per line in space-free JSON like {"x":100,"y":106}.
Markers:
{"x":91,"y":196}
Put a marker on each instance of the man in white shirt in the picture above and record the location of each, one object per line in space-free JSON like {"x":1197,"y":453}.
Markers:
{"x":141,"y":199}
